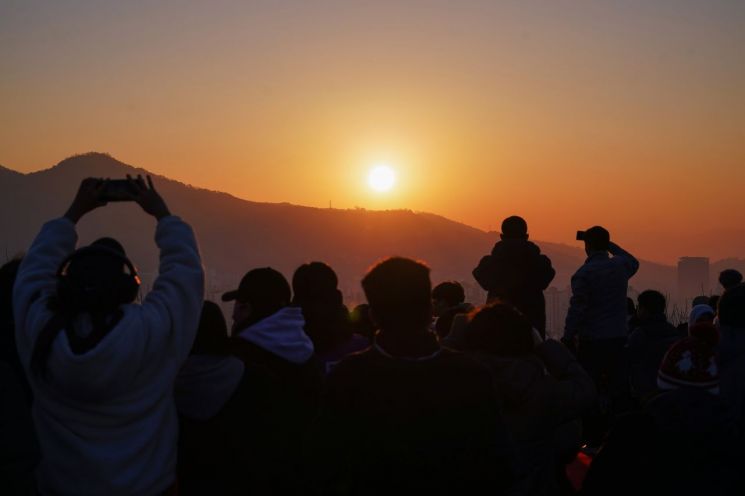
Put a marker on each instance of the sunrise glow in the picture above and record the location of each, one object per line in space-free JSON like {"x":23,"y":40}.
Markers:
{"x":382,"y":178}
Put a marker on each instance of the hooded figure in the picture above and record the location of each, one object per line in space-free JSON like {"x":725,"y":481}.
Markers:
{"x":269,"y":337}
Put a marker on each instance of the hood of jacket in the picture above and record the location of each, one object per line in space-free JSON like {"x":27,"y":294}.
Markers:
{"x":205,"y":383}
{"x":512,"y":247}
{"x":282,"y":334}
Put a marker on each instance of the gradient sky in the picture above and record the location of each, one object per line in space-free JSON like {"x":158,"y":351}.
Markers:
{"x":630,"y":114}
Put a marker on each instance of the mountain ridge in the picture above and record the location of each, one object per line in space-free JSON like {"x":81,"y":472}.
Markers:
{"x":237,"y":234}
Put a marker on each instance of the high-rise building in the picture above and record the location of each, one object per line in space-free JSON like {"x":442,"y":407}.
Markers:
{"x":693,"y":277}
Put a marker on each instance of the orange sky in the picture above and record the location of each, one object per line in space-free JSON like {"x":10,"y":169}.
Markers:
{"x":571,"y":113}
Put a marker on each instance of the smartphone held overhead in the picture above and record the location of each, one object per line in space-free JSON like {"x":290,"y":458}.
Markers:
{"x":118,"y":190}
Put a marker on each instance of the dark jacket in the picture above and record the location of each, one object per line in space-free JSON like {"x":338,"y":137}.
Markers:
{"x":682,"y":443}
{"x":731,"y":360}
{"x":418,"y":426}
{"x":645,"y":350}
{"x":19,"y":448}
{"x":289,"y":380}
{"x":544,"y":394}
{"x":517,"y":273}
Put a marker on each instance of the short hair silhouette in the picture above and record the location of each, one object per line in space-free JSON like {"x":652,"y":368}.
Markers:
{"x":500,"y":329}
{"x":315,"y":281}
{"x":514,"y":227}
{"x":399,"y":293}
{"x":451,"y":292}
{"x":597,"y":238}
{"x":700,"y":300}
{"x":212,"y":333}
{"x":729,"y":278}
{"x":732,"y":307}
{"x":652,"y":301}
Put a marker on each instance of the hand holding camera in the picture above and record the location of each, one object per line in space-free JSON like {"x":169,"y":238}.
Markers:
{"x":97,"y":192}
{"x":147,"y":197}
{"x":89,"y":197}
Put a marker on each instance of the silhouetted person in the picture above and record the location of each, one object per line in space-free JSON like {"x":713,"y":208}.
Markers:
{"x":213,"y":403}
{"x":701,"y":313}
{"x":732,"y":349}
{"x":596,"y":323}
{"x":729,"y":278}
{"x":19,"y":448}
{"x":407,"y":416}
{"x":544,"y":392}
{"x":8,"y":349}
{"x":327,"y":323}
{"x":684,"y":441}
{"x":102,"y":368}
{"x":516,"y":272}
{"x":269,"y":335}
{"x":649,"y":342}
{"x":448,"y":300}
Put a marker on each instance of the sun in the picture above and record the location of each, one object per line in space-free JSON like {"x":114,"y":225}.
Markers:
{"x":382,"y":178}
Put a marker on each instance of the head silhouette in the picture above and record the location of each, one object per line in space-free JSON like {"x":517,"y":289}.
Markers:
{"x":732,"y":307}
{"x":729,"y":278}
{"x":651,"y":304}
{"x":597,"y":239}
{"x":447,"y":295}
{"x":514,"y":227}
{"x":97,"y":278}
{"x":398,"y":291}
{"x":212,"y":333}
{"x":315,"y":282}
{"x":261,"y":293}
{"x":314,"y":287}
{"x":498,"y":328}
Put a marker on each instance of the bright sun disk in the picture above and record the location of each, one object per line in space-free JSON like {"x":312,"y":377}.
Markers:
{"x":381,"y":178}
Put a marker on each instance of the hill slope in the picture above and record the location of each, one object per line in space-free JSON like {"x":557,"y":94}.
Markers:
{"x":236,"y":234}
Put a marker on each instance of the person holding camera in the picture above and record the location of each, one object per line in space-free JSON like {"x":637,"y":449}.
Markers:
{"x":101,"y":366}
{"x":596,"y":326}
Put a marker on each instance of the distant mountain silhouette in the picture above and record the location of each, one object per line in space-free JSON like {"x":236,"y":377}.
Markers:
{"x":236,"y":235}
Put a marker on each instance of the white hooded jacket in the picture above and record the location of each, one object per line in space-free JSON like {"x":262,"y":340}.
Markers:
{"x":283,"y":334}
{"x":106,"y":418}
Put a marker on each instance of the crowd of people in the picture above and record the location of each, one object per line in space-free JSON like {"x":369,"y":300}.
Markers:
{"x":416,"y":391}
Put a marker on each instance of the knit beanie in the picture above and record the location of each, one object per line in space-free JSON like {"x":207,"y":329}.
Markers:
{"x":697,"y":312}
{"x":691,"y":362}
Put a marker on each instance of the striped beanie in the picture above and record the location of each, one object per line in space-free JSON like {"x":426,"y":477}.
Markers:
{"x":691,"y":362}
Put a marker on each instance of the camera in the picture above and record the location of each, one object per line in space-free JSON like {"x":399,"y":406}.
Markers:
{"x":580,"y":235}
{"x":118,"y":190}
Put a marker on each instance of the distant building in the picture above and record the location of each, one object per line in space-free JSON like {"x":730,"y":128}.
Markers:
{"x":693,"y":277}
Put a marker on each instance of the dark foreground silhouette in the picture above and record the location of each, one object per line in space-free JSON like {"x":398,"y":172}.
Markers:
{"x":105,"y":392}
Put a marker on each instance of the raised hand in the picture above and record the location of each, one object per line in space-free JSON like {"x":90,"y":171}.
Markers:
{"x":87,"y":198}
{"x":147,"y":197}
